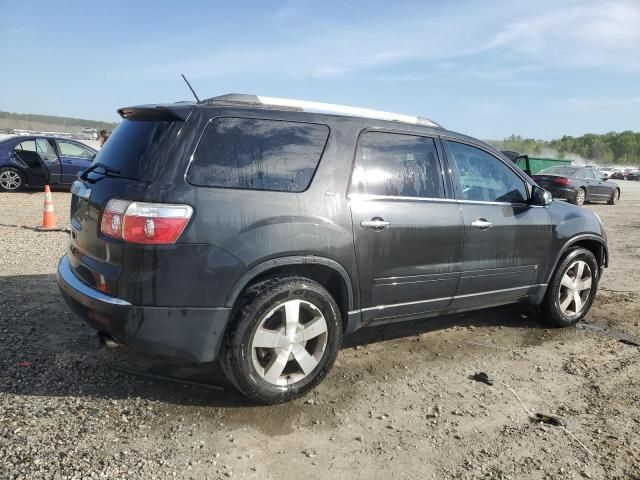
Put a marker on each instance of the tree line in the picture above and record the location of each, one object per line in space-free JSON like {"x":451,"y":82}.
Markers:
{"x":610,"y":148}
{"x":59,"y":121}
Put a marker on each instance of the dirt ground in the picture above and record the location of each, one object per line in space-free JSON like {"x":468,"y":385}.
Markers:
{"x":399,"y":402}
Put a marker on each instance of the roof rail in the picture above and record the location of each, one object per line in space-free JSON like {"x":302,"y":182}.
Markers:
{"x":319,"y":107}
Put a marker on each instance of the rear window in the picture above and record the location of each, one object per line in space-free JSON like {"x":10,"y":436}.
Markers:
{"x":131,"y":146}
{"x":257,"y":154}
{"x":568,"y":171}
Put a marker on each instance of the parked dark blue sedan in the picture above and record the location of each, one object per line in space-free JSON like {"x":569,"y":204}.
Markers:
{"x":39,"y":160}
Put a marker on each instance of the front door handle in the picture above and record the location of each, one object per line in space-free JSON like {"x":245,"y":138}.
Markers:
{"x":481,"y":223}
{"x":375,"y":223}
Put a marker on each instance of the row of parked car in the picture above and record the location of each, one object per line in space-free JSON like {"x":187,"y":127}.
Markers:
{"x":627,"y":173}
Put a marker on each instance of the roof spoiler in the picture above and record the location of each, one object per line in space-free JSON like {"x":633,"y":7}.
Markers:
{"x":156,"y":112}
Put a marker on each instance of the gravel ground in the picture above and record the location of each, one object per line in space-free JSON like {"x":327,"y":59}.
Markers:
{"x":399,"y":401}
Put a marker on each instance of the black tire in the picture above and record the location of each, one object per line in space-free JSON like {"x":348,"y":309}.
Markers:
{"x":550,"y":308}
{"x":256,"y":302}
{"x":615,"y":196}
{"x":16,"y":175}
{"x":578,"y":199}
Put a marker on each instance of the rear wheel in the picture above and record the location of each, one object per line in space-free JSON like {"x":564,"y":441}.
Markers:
{"x":580,"y":197}
{"x":615,"y":196}
{"x":572,"y":289}
{"x":284,"y":339}
{"x":11,"y":179}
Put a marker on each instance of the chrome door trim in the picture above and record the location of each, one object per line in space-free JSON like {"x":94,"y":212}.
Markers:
{"x":418,"y":302}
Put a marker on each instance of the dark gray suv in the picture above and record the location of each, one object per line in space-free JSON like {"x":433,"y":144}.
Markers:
{"x":260,"y":231}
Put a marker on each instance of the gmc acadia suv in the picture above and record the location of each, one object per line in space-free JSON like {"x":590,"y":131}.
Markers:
{"x":262,"y":230}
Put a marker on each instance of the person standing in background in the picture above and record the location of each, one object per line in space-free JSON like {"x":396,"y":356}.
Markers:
{"x":103,"y":137}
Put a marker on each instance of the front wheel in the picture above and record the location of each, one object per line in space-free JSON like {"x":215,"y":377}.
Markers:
{"x":11,"y":180}
{"x":572,"y":289}
{"x":284,"y":339}
{"x":615,"y":196}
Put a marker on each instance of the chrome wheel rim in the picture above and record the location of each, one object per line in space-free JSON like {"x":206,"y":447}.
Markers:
{"x":616,"y":196}
{"x":289,"y":342}
{"x":10,"y":180}
{"x":575,"y":288}
{"x":580,"y":197}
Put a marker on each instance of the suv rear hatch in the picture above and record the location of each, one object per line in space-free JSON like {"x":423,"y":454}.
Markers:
{"x":123,"y":169}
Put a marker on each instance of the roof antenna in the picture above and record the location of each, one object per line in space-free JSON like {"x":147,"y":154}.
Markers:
{"x":190,"y":87}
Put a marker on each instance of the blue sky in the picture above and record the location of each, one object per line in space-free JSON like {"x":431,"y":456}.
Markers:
{"x":489,"y":69}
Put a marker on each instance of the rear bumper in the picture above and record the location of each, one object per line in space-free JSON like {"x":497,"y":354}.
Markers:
{"x":561,"y":192}
{"x":191,"y":333}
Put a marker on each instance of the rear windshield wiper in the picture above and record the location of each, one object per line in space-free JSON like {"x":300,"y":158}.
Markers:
{"x":107,"y":170}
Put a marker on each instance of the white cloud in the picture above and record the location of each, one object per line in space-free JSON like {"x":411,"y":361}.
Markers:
{"x":591,"y":104}
{"x":582,"y":35}
{"x":20,"y":31}
{"x":500,"y":43}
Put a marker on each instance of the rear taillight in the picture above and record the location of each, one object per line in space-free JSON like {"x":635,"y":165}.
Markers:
{"x":138,"y":222}
{"x":561,"y":181}
{"x":112,"y":218}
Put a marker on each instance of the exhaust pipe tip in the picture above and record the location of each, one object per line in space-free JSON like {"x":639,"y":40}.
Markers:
{"x":108,"y":341}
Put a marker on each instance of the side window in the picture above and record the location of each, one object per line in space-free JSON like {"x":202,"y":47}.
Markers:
{"x":585,"y":174}
{"x":27,"y":146}
{"x":258,"y":154}
{"x":44,"y":146}
{"x":27,"y":152}
{"x":70,"y":149}
{"x":394,"y":164}
{"x":484,"y":178}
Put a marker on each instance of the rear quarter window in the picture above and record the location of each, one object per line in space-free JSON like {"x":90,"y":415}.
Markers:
{"x":257,"y":154}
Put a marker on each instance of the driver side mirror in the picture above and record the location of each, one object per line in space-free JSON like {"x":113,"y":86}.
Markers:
{"x":540,"y":197}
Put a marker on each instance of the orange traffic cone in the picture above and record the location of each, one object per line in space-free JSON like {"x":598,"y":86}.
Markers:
{"x":49,"y":220}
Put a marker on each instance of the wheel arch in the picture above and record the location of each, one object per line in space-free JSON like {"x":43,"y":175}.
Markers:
{"x":327,"y":272}
{"x":595,"y":244}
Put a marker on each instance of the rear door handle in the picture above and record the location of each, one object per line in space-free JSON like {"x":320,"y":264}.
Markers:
{"x":482,"y":224}
{"x":376,"y":223}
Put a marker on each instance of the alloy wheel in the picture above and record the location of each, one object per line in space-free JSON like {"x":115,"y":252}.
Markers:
{"x":580,"y":196}
{"x":289,"y":342}
{"x":10,"y":180}
{"x":575,"y":288}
